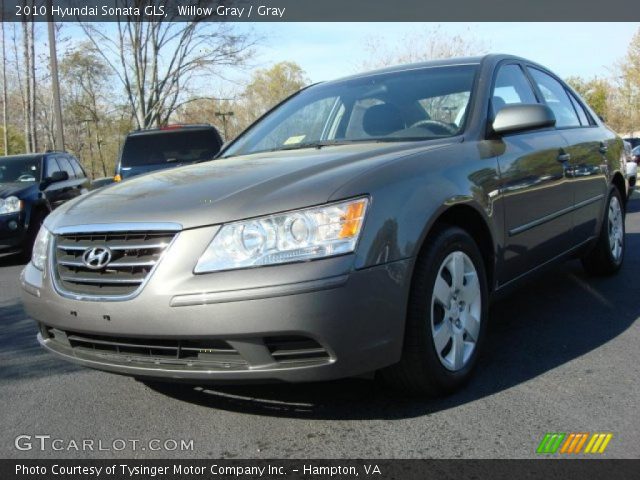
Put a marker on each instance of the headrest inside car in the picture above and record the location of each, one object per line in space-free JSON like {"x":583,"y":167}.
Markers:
{"x":381,"y":120}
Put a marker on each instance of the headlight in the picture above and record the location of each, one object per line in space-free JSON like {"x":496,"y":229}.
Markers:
{"x":41,"y":248}
{"x":10,"y":205}
{"x":294,"y":236}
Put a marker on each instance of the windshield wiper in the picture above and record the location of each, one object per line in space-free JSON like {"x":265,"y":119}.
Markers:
{"x":330,"y":143}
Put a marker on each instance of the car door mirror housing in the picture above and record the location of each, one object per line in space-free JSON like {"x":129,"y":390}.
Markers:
{"x":522,"y":118}
{"x":58,"y":176}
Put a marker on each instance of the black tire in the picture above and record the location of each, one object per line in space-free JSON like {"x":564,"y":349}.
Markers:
{"x":600,"y":260}
{"x":420,"y":370}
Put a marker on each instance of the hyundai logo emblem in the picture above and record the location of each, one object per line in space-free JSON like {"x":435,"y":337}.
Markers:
{"x":96,"y":258}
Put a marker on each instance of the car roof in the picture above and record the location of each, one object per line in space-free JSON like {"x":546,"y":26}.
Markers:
{"x":172,"y":129}
{"x":23,"y":156}
{"x":447,"y":62}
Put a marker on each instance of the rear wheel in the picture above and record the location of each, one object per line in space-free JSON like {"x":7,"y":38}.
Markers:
{"x":608,"y":254}
{"x":446,"y":318}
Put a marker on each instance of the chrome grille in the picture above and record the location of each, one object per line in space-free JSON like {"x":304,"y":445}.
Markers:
{"x":134,"y":254}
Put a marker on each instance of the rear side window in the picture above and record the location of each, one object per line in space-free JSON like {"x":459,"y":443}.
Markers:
{"x":177,"y":146}
{"x":66,"y":166}
{"x":557,"y":99}
{"x":582,"y":114}
{"x":51,"y":166}
{"x":76,"y":167}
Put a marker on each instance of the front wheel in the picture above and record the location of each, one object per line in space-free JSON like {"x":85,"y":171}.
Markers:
{"x":446,"y":317}
{"x":608,"y":254}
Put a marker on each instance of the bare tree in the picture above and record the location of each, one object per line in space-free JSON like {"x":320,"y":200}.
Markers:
{"x":26,"y":92}
{"x":4,"y":94}
{"x":156,"y":61}
{"x":32,"y":90}
{"x":431,"y":43}
{"x":85,"y":77}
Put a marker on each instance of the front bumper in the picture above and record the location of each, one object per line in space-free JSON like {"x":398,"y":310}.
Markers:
{"x":355,"y":319}
{"x":12,"y":234}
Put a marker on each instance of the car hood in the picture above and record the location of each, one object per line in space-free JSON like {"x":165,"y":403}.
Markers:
{"x":230,"y":189}
{"x":18,"y":189}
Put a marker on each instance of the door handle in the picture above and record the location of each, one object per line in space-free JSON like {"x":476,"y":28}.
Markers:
{"x":603,"y":148}
{"x":564,"y":157}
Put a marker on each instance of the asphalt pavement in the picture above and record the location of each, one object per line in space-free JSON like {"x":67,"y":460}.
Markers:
{"x":562,"y":356}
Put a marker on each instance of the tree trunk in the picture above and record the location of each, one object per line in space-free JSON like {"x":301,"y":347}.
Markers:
{"x":26,"y":94}
{"x":4,"y":94}
{"x":32,"y":101}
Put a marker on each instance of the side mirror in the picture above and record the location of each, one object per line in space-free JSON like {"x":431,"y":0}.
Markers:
{"x":55,"y":177}
{"x":520,"y":118}
{"x":58,"y":176}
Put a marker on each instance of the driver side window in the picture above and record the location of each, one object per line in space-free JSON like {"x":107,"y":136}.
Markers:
{"x":511,"y":88}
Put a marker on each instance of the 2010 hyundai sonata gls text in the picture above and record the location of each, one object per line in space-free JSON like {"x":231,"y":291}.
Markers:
{"x":363,"y":225}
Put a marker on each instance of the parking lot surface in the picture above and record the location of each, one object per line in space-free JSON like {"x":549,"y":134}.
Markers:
{"x":562,"y":355}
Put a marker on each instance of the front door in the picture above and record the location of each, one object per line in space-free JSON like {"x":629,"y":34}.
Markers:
{"x":535,"y":190}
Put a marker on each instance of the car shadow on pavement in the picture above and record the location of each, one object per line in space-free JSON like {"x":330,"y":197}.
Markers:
{"x":12,"y":261}
{"x":550,"y":321}
{"x":20,"y":354}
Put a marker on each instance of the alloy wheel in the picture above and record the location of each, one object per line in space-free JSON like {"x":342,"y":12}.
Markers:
{"x":616,"y":229}
{"x":456,"y":311}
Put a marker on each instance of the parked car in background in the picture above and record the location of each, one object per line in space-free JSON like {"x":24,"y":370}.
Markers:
{"x":362,"y":225}
{"x":633,"y":141}
{"x":166,"y":147}
{"x":635,"y":155}
{"x":31,"y":186}
{"x":633,"y":158}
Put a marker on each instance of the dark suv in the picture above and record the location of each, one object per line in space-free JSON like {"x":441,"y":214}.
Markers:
{"x":30,"y":187}
{"x":167,"y":147}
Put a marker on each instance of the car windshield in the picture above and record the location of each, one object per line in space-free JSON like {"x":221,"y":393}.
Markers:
{"x":636,"y":151}
{"x":16,"y":169}
{"x":181,"y":146}
{"x":414,"y":104}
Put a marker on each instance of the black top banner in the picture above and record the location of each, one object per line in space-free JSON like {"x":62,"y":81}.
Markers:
{"x":320,"y":10}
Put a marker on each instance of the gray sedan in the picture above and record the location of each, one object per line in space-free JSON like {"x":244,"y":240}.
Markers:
{"x":363,"y":225}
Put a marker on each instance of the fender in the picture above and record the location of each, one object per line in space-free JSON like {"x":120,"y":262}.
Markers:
{"x":422,"y":187}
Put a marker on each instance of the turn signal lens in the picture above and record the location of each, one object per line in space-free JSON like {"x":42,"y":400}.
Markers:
{"x":353,"y":219}
{"x":117,"y":178}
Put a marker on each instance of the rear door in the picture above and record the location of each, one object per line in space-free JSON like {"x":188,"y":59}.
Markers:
{"x":70,"y":188}
{"x":587,"y":148}
{"x":54,"y":192}
{"x":537,"y":197}
{"x":82,"y":185}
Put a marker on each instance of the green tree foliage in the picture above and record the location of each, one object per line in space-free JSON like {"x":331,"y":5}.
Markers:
{"x":94,"y":126}
{"x":272,"y":85}
{"x":596,"y":92}
{"x":16,"y":141}
{"x":266,"y":88}
{"x":628,"y":91}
